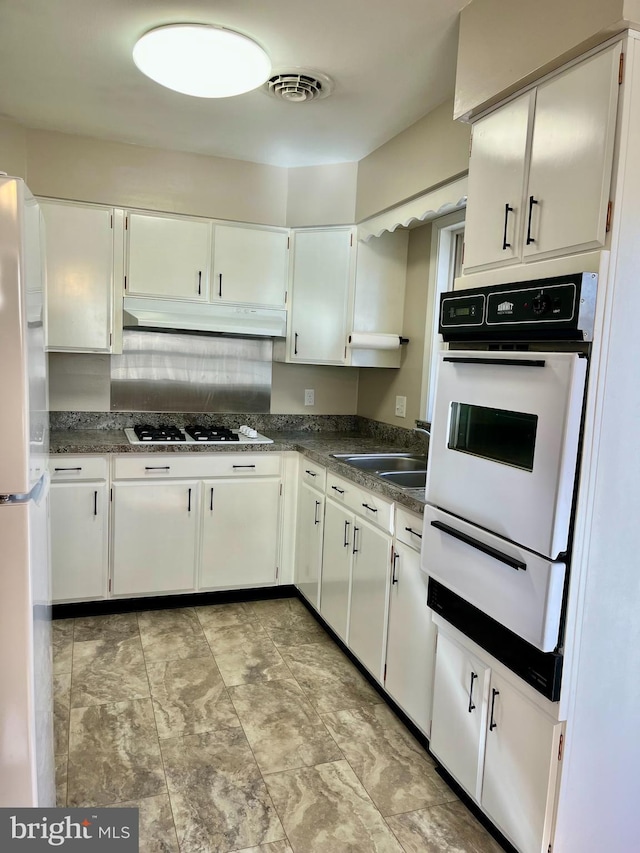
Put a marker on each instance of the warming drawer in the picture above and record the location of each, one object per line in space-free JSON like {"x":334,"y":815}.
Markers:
{"x":516,"y":587}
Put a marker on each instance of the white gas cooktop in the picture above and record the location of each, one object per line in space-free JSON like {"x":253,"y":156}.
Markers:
{"x":199,"y":435}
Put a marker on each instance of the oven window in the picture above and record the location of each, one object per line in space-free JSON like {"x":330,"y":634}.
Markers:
{"x":496,"y":434}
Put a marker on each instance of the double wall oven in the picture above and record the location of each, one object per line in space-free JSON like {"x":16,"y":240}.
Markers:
{"x":501,"y":482}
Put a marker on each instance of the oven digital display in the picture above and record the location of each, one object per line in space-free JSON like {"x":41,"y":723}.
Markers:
{"x":494,"y":434}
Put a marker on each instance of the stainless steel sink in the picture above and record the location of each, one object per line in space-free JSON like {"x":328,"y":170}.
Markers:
{"x":388,"y":462}
{"x":405,"y":479}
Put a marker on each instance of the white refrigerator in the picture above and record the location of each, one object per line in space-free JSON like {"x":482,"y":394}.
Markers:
{"x":27,"y":776}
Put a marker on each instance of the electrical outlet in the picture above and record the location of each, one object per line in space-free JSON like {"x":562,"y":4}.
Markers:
{"x":309,"y":397}
{"x":401,"y":407}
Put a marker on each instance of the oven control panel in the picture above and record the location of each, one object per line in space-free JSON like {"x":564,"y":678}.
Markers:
{"x":560,"y":308}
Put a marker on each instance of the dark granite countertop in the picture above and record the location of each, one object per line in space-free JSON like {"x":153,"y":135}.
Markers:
{"x":317,"y":446}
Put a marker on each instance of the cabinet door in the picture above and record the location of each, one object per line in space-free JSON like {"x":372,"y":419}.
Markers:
{"x":79,"y":514}
{"x":250,"y":265}
{"x":309,"y":535}
{"x":369,"y":594}
{"x":520,"y":767}
{"x":459,"y":713}
{"x":168,"y":257}
{"x":321,"y":289}
{"x":155,"y":529}
{"x":572,"y":156}
{"x":80,"y":265}
{"x":494,"y":217}
{"x":411,"y":641}
{"x":240,"y":533}
{"x":336,"y":567}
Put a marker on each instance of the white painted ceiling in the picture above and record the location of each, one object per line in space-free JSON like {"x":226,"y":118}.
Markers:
{"x":66,"y":65}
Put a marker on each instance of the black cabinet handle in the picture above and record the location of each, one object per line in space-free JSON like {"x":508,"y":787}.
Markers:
{"x":211,"y":500}
{"x":346,"y":534}
{"x":507,"y":210}
{"x":316,"y":520}
{"x":199,"y":282}
{"x":295,"y":344}
{"x":492,"y":723}
{"x":157,"y":467}
{"x":310,"y":473}
{"x":504,"y":362}
{"x":339,"y":491}
{"x":220,"y":285}
{"x":532,"y":201}
{"x":244,"y":466}
{"x":415,"y":533}
{"x":95,"y":503}
{"x":355,"y":532}
{"x":472,"y":706}
{"x":394,"y":578}
{"x":189,"y":504}
{"x":67,"y":469}
{"x":512,"y":562}
{"x":372,"y":508}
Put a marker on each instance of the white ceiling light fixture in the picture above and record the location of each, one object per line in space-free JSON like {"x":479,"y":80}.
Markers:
{"x":202,"y":60}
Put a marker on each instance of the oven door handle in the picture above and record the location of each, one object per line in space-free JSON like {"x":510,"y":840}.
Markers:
{"x":508,"y":362}
{"x":518,"y":565}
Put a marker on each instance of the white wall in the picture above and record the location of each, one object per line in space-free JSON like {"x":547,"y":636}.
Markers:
{"x":432,"y":151}
{"x":505,"y":44}
{"x":61,"y":165}
{"x":322,"y":195}
{"x":13,"y":154}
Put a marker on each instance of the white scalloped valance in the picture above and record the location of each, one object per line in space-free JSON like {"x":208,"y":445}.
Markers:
{"x":428,"y":206}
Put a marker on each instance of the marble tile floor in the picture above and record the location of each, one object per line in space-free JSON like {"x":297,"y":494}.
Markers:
{"x":242,"y":728}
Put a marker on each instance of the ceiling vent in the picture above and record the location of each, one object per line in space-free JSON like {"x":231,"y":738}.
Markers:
{"x":299,"y":85}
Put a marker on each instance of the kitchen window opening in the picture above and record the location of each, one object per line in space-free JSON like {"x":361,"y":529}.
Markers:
{"x":445,"y":265}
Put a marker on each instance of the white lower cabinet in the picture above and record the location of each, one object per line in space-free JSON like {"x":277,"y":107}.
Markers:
{"x":79,"y":509}
{"x":336,"y":567}
{"x":309,"y":537}
{"x":154,"y":537}
{"x":187,"y":522}
{"x":411,"y":634}
{"x":240,"y":527}
{"x":520,"y":767}
{"x":497,"y":742}
{"x":459,"y":713}
{"x":79,"y":523}
{"x":371,"y":553}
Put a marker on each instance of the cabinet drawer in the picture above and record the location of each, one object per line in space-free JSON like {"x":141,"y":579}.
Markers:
{"x":63,"y":467}
{"x":313,"y":474}
{"x":409,"y":528}
{"x":365,"y":503}
{"x":196,"y":465}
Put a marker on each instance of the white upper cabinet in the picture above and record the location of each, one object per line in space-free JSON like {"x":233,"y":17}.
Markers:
{"x":168,"y":256}
{"x":84,"y":256}
{"x":540,"y":169}
{"x":250,"y":265}
{"x":571,"y":158}
{"x":497,"y":185}
{"x":323,"y":267}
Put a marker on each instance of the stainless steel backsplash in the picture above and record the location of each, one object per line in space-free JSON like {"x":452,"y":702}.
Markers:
{"x":179,"y":372}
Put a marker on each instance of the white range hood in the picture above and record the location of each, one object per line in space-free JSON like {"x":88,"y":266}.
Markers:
{"x":142,"y":313}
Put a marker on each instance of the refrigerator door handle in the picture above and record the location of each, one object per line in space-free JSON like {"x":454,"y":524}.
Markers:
{"x":36,"y":494}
